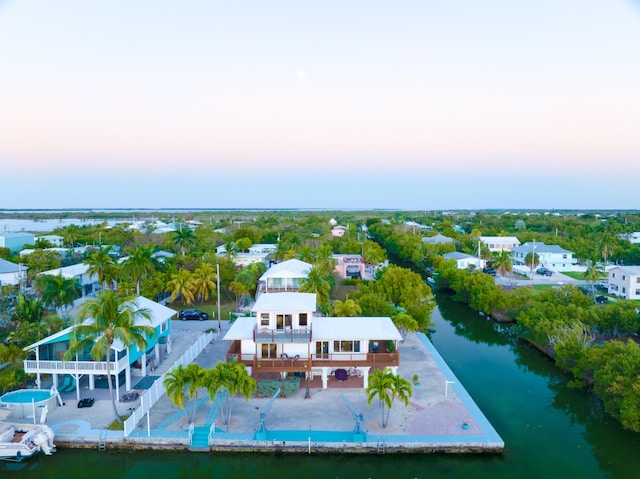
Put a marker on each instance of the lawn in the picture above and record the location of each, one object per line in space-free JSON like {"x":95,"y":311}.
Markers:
{"x":580,"y":275}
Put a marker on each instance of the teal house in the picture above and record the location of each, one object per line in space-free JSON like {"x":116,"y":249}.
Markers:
{"x":16,"y":241}
{"x":126,"y":364}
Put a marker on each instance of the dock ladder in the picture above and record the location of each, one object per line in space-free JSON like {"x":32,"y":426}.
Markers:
{"x":381,"y":446}
{"x":102,"y":441}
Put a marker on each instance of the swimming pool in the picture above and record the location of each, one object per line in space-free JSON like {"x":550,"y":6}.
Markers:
{"x":23,"y":402}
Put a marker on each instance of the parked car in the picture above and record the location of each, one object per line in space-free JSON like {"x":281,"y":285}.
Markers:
{"x":192,"y":314}
{"x":489,"y":271}
{"x":544,"y":272}
{"x":601,"y":299}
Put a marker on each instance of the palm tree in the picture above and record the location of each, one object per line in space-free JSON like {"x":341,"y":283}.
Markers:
{"x":316,"y":282}
{"x":102,"y":265}
{"x":592,"y":274}
{"x":387,"y":387}
{"x":57,"y":290}
{"x":181,"y":284}
{"x":346,"y":308}
{"x":184,"y":238}
{"x":502,"y":262}
{"x":230,"y":379}
{"x":100,"y":323}
{"x":191,"y":378}
{"x":139,"y":264}
{"x":380,"y":386}
{"x":203,"y":281}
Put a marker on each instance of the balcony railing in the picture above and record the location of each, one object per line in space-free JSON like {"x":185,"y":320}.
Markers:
{"x":289,"y":364}
{"x":64,"y":367}
{"x":266,"y":335}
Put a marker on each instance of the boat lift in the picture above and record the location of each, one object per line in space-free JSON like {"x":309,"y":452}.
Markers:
{"x":358,"y":433}
{"x":261,"y":432}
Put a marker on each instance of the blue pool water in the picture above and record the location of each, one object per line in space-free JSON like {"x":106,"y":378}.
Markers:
{"x":26,"y":396}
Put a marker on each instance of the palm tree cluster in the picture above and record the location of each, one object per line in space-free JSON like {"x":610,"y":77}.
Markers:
{"x":387,"y":387}
{"x":224,"y":381}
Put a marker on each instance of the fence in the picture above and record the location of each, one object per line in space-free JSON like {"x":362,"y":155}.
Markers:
{"x":156,"y":391}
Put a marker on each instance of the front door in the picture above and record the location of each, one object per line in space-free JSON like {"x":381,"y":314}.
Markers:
{"x":322,"y":349}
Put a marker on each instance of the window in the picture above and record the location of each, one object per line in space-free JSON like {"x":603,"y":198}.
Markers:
{"x":613,"y":275}
{"x":302,"y":319}
{"x":276,"y":283}
{"x":624,"y":276}
{"x":164,"y":326}
{"x":322,"y":349}
{"x":346,"y":346}
{"x":564,"y":256}
{"x":264,"y":319}
{"x":269,"y":351}
{"x":624,"y":290}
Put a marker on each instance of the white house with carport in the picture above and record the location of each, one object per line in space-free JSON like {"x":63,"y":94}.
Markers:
{"x":46,"y":356}
{"x":552,"y":257}
{"x":624,"y":281}
{"x":284,"y":336}
{"x":11,"y":273}
{"x":464,"y":260}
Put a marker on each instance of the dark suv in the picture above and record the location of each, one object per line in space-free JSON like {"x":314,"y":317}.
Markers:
{"x":192,"y":314}
{"x":489,"y":271}
{"x":544,"y":271}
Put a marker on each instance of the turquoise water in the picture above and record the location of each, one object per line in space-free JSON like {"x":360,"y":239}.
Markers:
{"x":26,"y":396}
{"x":550,"y":431}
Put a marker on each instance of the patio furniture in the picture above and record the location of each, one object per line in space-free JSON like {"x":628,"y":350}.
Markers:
{"x":341,"y":374}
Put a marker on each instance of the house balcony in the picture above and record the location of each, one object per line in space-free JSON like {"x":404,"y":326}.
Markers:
{"x":281,"y":336}
{"x":291,"y":365}
{"x":32,"y":366}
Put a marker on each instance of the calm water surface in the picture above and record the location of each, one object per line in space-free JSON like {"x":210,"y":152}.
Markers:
{"x":550,"y":431}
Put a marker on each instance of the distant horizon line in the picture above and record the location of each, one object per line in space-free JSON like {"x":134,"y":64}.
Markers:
{"x":249,"y":209}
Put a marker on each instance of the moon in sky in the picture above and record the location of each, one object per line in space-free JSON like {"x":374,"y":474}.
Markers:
{"x":301,"y":74}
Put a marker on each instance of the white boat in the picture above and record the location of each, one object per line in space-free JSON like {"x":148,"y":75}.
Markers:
{"x":19,"y":441}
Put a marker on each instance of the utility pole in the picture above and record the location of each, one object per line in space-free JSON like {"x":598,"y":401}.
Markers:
{"x":218,"y":280}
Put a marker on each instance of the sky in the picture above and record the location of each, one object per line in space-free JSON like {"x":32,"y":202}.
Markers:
{"x":414,"y":105}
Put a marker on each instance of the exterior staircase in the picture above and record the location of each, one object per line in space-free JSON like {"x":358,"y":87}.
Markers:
{"x":200,"y":439}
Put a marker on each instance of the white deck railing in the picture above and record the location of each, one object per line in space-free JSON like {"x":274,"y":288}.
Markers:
{"x":32,"y":366}
{"x":156,"y":391}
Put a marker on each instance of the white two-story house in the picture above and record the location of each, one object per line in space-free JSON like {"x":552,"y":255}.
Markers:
{"x":624,"y":281}
{"x":552,"y":257}
{"x":285,"y":336}
{"x":500,"y":243}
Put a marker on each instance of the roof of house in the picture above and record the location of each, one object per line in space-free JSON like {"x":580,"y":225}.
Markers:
{"x":69,"y":271}
{"x":328,"y":328}
{"x":293,"y":268}
{"x":500,"y":239}
{"x":375,"y":328}
{"x":17,"y":235}
{"x":158,"y":313}
{"x":439,"y":238}
{"x":630,"y":270}
{"x":285,"y":302}
{"x":9,"y":267}
{"x":458,"y":255}
{"x":540,"y":248}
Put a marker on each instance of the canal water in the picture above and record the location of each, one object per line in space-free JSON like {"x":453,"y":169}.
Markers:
{"x":550,"y":431}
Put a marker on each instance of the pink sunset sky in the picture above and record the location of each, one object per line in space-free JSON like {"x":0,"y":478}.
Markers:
{"x":360,"y":104}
